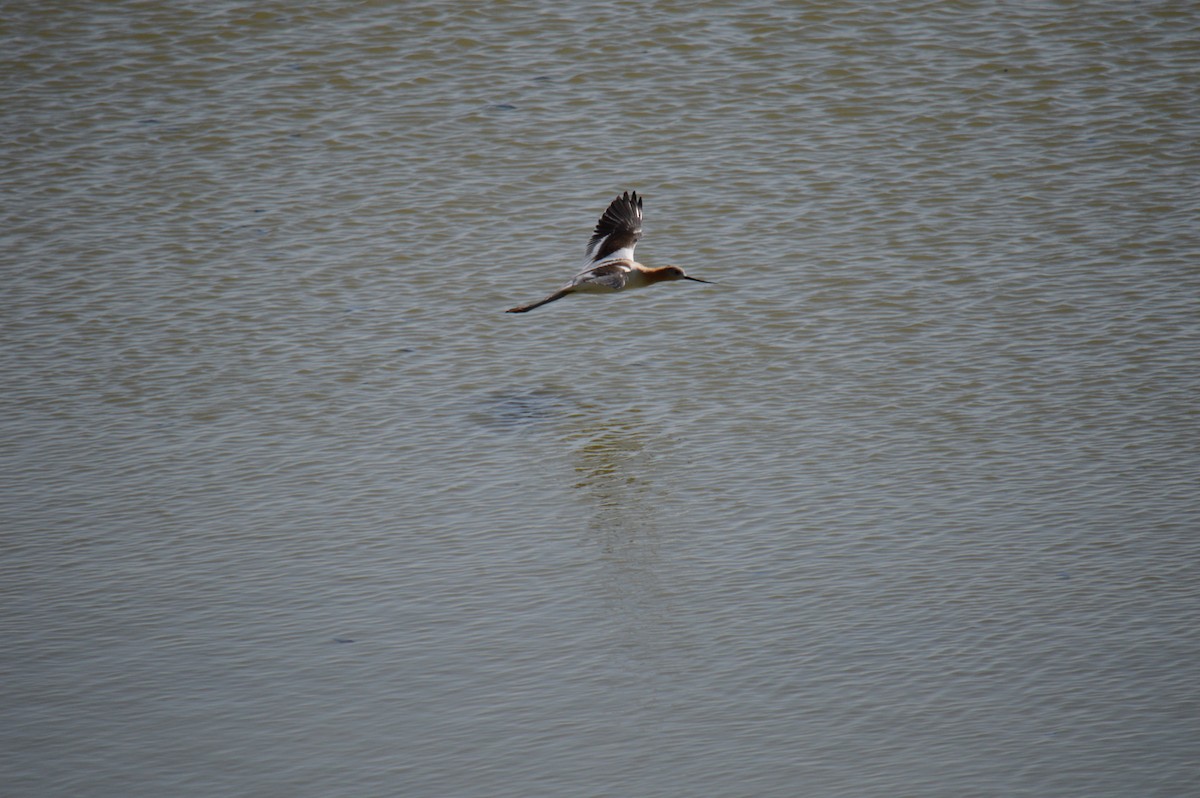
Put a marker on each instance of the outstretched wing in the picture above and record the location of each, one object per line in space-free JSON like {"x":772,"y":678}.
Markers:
{"x":618,"y":230}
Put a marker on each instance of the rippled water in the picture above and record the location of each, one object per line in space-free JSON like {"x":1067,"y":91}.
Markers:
{"x":905,"y":505}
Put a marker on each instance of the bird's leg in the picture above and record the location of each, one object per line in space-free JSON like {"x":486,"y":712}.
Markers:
{"x":559,"y":294}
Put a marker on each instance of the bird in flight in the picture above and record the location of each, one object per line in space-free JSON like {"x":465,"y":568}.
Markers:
{"x":611,"y":266}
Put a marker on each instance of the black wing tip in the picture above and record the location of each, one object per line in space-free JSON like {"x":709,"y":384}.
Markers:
{"x":630,"y":197}
{"x":628,"y":205}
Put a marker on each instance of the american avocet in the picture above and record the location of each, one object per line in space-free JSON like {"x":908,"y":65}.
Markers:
{"x":611,"y":266}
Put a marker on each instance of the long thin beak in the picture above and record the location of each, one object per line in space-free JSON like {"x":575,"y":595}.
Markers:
{"x":698,"y":280}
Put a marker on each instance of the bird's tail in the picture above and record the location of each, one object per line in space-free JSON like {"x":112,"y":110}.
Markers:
{"x":559,"y":294}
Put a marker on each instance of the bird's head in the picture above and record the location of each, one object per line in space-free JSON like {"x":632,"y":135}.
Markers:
{"x":677,"y":273}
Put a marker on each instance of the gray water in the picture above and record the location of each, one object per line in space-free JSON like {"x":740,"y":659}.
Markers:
{"x":906,"y":504}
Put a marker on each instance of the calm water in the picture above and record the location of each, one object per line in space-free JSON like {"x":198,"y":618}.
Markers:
{"x":906,"y":505}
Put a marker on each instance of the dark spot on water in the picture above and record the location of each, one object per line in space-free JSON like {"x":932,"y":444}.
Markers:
{"x":510,"y":409}
{"x":504,"y":107}
{"x":343,"y":640}
{"x":148,"y":122}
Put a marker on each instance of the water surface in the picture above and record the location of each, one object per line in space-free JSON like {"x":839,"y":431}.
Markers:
{"x":905,"y":505}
